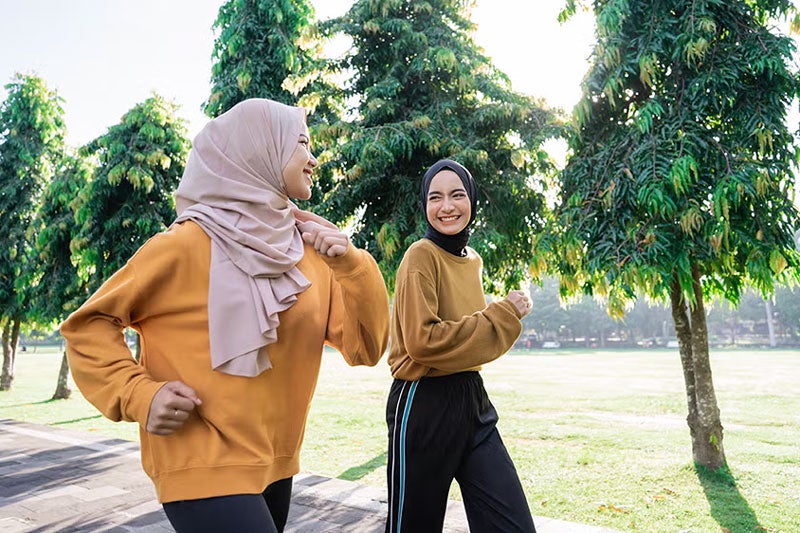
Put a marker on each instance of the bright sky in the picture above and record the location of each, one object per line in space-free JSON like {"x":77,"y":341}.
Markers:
{"x":105,"y":56}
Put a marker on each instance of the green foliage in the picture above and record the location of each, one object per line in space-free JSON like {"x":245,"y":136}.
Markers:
{"x":272,"y":49}
{"x":31,"y":142}
{"x":57,"y":288}
{"x":787,"y":309}
{"x":140,"y":162}
{"x":680,"y":154}
{"x":267,"y":49}
{"x":424,"y":91}
{"x":585,"y":317}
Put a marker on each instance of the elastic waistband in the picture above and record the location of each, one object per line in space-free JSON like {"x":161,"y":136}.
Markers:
{"x":458,"y":377}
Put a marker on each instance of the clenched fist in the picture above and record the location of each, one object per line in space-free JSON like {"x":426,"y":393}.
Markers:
{"x":170,"y":408}
{"x":521,"y":301}
{"x":323,"y":235}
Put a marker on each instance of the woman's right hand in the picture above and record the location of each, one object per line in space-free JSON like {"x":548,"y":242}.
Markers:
{"x":320,"y":233}
{"x":170,"y":408}
{"x":521,"y":302}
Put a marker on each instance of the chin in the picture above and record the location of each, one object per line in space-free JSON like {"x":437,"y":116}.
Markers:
{"x":449,"y":231}
{"x":304,"y":195}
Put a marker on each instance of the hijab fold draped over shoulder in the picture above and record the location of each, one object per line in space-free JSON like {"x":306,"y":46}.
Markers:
{"x":233,"y":188}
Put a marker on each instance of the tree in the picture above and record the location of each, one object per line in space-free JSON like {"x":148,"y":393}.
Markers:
{"x":679,"y":182}
{"x":31,"y":140}
{"x":424,"y":91}
{"x":129,"y":199}
{"x":586,"y":316}
{"x":57,"y":288}
{"x":273,"y":49}
{"x":648,"y":320}
{"x":724,"y":321}
{"x":787,"y":310}
{"x":267,"y":49}
{"x":547,"y":315}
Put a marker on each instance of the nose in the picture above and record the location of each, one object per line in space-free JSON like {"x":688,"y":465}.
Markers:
{"x":312,"y":161}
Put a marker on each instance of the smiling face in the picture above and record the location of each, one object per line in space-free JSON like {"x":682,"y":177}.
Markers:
{"x":448,"y":206}
{"x":297,"y":172}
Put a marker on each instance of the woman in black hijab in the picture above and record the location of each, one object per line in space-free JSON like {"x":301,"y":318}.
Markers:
{"x":456,"y":243}
{"x":441,"y":423}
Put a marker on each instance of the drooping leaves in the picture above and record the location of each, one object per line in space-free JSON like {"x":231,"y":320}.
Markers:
{"x":32,"y":135}
{"x":129,"y":199}
{"x":424,"y":91}
{"x":269,"y":49}
{"x":58,"y":288}
{"x":680,"y":154}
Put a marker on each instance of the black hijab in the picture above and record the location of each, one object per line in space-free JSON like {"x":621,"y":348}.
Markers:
{"x":454,"y":244}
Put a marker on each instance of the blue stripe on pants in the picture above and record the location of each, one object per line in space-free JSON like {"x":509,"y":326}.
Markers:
{"x":403,"y":427}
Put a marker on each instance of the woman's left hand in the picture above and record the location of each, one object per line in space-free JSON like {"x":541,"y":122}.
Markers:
{"x":323,"y":235}
{"x":521,"y":301}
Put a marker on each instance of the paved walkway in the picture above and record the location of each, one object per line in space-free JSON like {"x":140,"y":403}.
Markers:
{"x":53,"y":480}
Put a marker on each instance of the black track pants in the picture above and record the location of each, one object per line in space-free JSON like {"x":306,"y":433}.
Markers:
{"x":242,"y":513}
{"x":442,"y":429}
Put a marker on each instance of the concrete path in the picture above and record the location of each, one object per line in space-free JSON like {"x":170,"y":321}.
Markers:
{"x":53,"y":480}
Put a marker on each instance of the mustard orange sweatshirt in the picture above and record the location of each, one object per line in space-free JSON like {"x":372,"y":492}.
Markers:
{"x":248,"y":431}
{"x":441,"y":323}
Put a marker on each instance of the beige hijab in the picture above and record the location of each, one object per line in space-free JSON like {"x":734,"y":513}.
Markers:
{"x":233,"y":188}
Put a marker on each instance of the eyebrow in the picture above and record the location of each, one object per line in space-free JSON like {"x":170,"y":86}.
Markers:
{"x":457,"y":189}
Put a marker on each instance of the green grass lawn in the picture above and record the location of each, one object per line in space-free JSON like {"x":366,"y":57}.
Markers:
{"x":598,"y":437}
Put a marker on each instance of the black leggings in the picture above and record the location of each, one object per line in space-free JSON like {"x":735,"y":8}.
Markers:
{"x":243,"y":513}
{"x":441,"y":429}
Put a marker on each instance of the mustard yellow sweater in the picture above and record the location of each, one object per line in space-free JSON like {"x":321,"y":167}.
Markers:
{"x":440,"y":321}
{"x":248,"y":431}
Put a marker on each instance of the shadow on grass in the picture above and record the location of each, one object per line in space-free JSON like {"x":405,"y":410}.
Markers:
{"x":357,"y":472}
{"x":28,"y":404}
{"x":62,"y":422}
{"x":728,"y":506}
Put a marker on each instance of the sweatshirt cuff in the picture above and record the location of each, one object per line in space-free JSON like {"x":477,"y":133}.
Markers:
{"x":141,"y":398}
{"x":511,"y":308}
{"x":349,"y":263}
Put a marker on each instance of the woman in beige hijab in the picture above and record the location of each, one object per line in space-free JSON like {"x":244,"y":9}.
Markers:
{"x":233,"y":303}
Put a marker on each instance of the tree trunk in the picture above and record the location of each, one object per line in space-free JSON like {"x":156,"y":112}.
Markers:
{"x":5,"y":325}
{"x":632,"y":337}
{"x":734,"y":325}
{"x":10,"y":339}
{"x":703,"y":416}
{"x":683,"y":332}
{"x":770,"y":324}
{"x":62,"y":387}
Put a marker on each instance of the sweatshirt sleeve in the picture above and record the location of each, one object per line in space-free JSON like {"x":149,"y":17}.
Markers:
{"x":99,"y":358}
{"x":452,"y":345}
{"x":358,"y":321}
